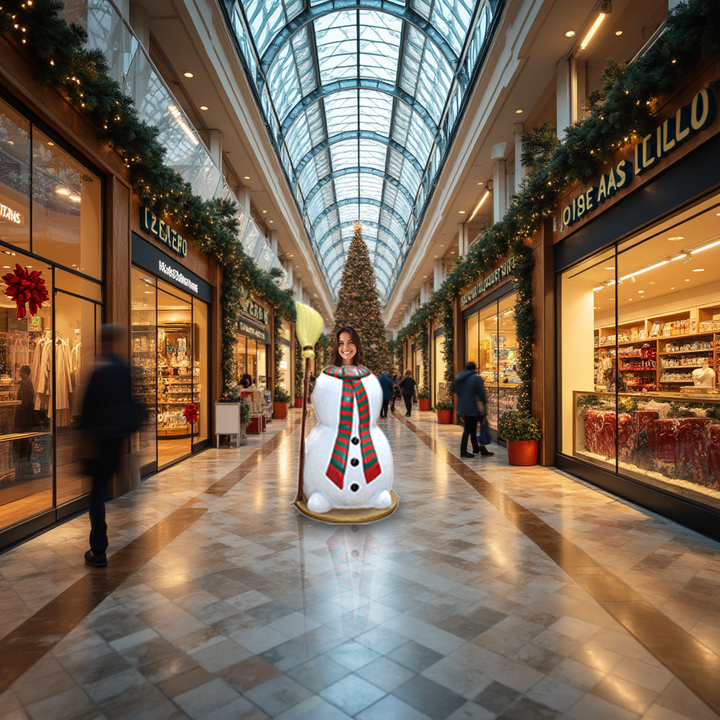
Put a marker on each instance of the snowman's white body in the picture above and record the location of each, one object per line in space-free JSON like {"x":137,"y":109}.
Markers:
{"x":322,"y":493}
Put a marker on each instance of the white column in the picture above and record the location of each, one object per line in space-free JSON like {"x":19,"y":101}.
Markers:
{"x":139,"y":21}
{"x":298,"y":290}
{"x":519,"y":168}
{"x":425,"y":292}
{"x":288,"y":266}
{"x":243,"y":198}
{"x":566,"y":95}
{"x":274,"y":241}
{"x":463,"y":240}
{"x":216,"y":142}
{"x":439,"y":274}
{"x":499,"y":186}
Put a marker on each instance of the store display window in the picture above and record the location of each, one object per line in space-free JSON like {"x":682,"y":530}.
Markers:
{"x":170,"y":368}
{"x":438,"y":366}
{"x":491,"y":343}
{"x":640,"y":326}
{"x":250,"y":359}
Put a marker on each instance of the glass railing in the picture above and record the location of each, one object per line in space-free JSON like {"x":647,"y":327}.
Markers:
{"x":131,"y":67}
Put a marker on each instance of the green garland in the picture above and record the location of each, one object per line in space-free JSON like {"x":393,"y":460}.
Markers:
{"x":421,"y":341}
{"x":62,"y":62}
{"x":446,"y":320}
{"x":299,"y":370}
{"x":277,"y":351}
{"x":620,"y":112}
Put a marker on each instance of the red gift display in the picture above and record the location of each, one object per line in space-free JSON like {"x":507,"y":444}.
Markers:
{"x":26,"y":288}
{"x":666,"y":444}
{"x":714,"y":456}
{"x":608,"y":431}
{"x":627,"y":437}
{"x":191,"y":414}
{"x":644,"y":421}
{"x":692,"y":450}
{"x":593,"y":425}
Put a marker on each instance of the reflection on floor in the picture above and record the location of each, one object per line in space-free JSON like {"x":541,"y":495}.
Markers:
{"x":445,"y":610}
{"x":171,"y":450}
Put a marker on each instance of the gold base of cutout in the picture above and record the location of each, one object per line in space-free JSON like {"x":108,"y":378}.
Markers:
{"x":358,"y":516}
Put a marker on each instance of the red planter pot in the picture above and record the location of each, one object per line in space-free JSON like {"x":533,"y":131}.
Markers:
{"x":424,"y":403}
{"x":444,"y":416}
{"x":280,"y":410}
{"x":522,"y":452}
{"x":298,"y":402}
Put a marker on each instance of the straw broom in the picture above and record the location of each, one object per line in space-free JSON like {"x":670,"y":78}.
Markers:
{"x":308,"y":329}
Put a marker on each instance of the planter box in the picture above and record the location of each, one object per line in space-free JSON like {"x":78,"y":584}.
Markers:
{"x":227,"y":422}
{"x":522,"y":452}
{"x":280,"y":410}
{"x":298,"y":402}
{"x":445,"y":417}
{"x":424,"y":403}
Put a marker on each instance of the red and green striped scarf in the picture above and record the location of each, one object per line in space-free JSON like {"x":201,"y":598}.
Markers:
{"x":353,"y":391}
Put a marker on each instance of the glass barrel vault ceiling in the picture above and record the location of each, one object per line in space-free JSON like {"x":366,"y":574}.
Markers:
{"x":361,"y":99}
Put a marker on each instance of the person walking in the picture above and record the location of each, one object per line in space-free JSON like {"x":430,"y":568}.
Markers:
{"x":396,"y":395}
{"x":109,"y":415}
{"x":386,"y":384}
{"x":407,"y":388}
{"x":471,"y":406}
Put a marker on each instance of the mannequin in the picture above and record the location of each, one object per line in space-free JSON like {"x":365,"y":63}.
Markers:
{"x":704,"y":376}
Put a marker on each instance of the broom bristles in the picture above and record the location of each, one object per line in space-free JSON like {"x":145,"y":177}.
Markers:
{"x":308,"y":329}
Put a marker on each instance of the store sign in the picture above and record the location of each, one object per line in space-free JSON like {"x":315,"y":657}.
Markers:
{"x":158,"y":228}
{"x":496,"y":276}
{"x":8,"y":213}
{"x":253,"y":331}
{"x":256,"y":311}
{"x":150,"y":257}
{"x":666,"y":138}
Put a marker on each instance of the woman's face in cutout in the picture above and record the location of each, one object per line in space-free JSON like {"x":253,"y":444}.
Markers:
{"x":347,"y":348}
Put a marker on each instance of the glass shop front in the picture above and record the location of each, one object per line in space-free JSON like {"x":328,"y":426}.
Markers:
{"x":639,"y":337}
{"x":51,"y":232}
{"x":170,"y":355}
{"x":490,"y":342}
{"x":252,"y":343}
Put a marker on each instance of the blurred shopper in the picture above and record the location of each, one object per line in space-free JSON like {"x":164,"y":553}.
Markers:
{"x":472,"y":407}
{"x":109,"y":415}
{"x":396,"y":395}
{"x":387,"y":386}
{"x":25,"y":415}
{"x":407,"y":388}
{"x":246,"y":381}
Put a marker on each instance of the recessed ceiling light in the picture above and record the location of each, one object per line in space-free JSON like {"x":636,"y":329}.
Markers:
{"x":630,"y":299}
{"x":462,"y":212}
{"x":652,"y":282}
{"x":570,"y":33}
{"x":641,"y":291}
{"x":699,"y":270}
{"x":247,"y":177}
{"x":687,"y":279}
{"x":609,"y":268}
{"x":434,"y":255}
{"x":203,"y":107}
{"x":272,"y":221}
{"x":484,"y":183}
{"x":676,"y":238}
{"x":618,"y":32}
{"x":672,"y":288}
{"x":188,"y":74}
{"x":264,"y":211}
{"x":519,"y":111}
{"x":6,"y":267}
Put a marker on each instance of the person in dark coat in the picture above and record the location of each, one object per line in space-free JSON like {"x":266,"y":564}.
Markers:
{"x":387,"y":390}
{"x":109,"y":415}
{"x":407,"y":388}
{"x":470,"y":388}
{"x":396,"y":394}
{"x":25,"y":412}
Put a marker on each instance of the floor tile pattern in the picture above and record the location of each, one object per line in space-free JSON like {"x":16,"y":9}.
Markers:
{"x":446,"y":610}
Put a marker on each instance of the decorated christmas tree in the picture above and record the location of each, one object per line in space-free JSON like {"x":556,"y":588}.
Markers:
{"x":358,"y":304}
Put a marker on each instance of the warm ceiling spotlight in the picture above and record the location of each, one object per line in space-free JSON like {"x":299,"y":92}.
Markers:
{"x":609,"y":268}
{"x":618,"y":33}
{"x":687,"y":279}
{"x":247,"y":177}
{"x":272,"y":221}
{"x":188,"y":74}
{"x":676,"y":238}
{"x":699,"y":270}
{"x":641,"y":292}
{"x":264,"y":211}
{"x":605,"y":10}
{"x":480,"y":204}
{"x":484,"y":183}
{"x":62,"y":191}
{"x":519,"y":111}
{"x":462,"y":212}
{"x":203,"y":107}
{"x":570,"y":33}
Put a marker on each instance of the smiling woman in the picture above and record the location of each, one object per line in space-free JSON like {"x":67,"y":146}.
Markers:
{"x":362,"y":102}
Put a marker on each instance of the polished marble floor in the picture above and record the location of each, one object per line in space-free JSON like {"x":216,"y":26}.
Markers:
{"x":493,"y":592}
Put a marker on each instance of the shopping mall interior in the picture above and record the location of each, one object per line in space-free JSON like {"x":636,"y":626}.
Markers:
{"x":360,"y":359}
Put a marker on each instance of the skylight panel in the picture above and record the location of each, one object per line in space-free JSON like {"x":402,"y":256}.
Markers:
{"x":344,"y":154}
{"x":419,"y":140}
{"x":423,"y":7}
{"x":341,"y":112}
{"x":336,"y":40}
{"x":283,"y":81}
{"x":373,"y":154}
{"x":375,"y":111}
{"x":303,"y":52}
{"x":452,"y":18}
{"x":265,"y":19}
{"x":371,"y":186}
{"x":346,"y":186}
{"x":379,"y":45}
{"x":308,"y":179}
{"x":297,"y":140}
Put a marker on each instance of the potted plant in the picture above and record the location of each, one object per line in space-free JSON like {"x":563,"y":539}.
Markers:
{"x":424,"y":398}
{"x":445,"y":406}
{"x":280,"y":402}
{"x":298,"y":395}
{"x":522,"y":432}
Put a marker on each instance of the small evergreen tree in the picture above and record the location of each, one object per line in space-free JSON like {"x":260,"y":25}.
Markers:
{"x":358,"y":304}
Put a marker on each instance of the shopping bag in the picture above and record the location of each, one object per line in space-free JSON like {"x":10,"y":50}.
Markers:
{"x":484,"y":437}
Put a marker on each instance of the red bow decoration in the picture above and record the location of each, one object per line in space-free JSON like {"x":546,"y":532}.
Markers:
{"x":26,"y":287}
{"x":191,"y":414}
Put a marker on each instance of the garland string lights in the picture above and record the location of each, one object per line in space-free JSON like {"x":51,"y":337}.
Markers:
{"x":620,"y":112}
{"x":62,"y":62}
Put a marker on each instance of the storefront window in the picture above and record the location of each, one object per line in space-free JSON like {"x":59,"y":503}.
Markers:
{"x":439,"y":366}
{"x":491,"y":344}
{"x":66,"y":210}
{"x":170,"y":366}
{"x":14,"y":178}
{"x":640,"y":397}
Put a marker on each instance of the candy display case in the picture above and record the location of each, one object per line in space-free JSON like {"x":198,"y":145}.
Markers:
{"x":667,"y":440}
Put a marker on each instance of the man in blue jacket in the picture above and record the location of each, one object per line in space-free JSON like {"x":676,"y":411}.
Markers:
{"x":471,"y":406}
{"x":386,"y":384}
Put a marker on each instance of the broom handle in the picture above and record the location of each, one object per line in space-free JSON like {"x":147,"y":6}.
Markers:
{"x":306,"y":393}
